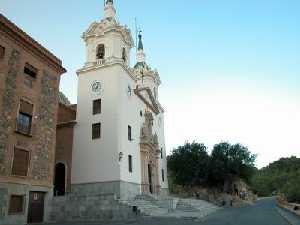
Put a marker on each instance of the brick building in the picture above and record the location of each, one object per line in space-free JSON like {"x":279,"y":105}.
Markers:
{"x":64,"y":145}
{"x":29,"y":85}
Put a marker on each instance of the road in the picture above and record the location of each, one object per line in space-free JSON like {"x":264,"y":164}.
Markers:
{"x":264,"y":212}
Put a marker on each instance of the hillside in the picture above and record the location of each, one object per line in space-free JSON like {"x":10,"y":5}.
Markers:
{"x":282,"y":176}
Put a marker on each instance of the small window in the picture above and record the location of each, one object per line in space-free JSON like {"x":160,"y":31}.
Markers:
{"x":163,"y":175}
{"x":130,"y":163}
{"x":124,"y":54}
{"x":129,"y":133}
{"x":16,"y":204}
{"x":97,"y":106}
{"x":141,"y":113}
{"x":100,"y":51}
{"x":20,"y":162}
{"x":30,"y":70}
{"x":2,"y":52}
{"x":96,"y":130}
{"x":24,"y":120}
{"x":161,"y":153}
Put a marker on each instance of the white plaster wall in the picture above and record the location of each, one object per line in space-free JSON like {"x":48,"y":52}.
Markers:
{"x":97,"y":160}
{"x":130,"y":115}
{"x":159,"y":127}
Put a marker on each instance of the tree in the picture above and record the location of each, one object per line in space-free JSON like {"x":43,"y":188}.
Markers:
{"x":229,"y":162}
{"x":188,"y":164}
{"x":282,"y":176}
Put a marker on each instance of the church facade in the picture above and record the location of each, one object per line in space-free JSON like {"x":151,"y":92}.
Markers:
{"x":118,"y":144}
{"x":62,"y":162}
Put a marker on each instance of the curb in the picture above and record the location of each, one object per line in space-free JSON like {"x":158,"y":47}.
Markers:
{"x":283,"y":216}
{"x":287,"y":209}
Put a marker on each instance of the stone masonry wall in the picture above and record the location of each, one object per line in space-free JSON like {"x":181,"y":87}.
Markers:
{"x":47,"y":128}
{"x":3,"y":202}
{"x":8,"y":103}
{"x":75,"y":208}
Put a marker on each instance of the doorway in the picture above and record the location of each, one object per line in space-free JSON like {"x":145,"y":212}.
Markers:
{"x":36,"y":207}
{"x":150,"y":178}
{"x":60,"y":180}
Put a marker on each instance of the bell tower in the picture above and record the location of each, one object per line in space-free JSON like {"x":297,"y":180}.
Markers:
{"x":103,"y":82}
{"x":107,"y":41}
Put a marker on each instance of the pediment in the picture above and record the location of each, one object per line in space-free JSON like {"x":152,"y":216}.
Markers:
{"x":108,"y":25}
{"x":146,"y":95}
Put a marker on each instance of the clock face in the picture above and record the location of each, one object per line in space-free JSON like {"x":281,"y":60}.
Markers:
{"x":97,"y":87}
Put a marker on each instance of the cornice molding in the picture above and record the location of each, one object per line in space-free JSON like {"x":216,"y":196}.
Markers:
{"x":20,"y":37}
{"x":152,"y":105}
{"x":105,"y":65}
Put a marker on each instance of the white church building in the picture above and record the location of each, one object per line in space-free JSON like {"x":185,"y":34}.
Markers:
{"x":119,"y":144}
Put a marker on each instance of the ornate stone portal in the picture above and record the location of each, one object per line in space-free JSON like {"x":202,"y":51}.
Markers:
{"x":149,"y":157}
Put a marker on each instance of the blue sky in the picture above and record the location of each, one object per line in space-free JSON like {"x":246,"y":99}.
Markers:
{"x":230,"y":69}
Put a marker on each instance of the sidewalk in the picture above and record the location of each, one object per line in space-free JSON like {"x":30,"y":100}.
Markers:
{"x":290,"y":217}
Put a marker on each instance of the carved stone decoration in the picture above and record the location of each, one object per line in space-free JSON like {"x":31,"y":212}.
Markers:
{"x":97,"y":29}
{"x":146,"y":131}
{"x":9,"y":98}
{"x":149,"y":148}
{"x":46,"y":138}
{"x":146,"y":96}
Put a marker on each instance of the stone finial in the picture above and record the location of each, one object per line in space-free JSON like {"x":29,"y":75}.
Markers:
{"x":109,"y":9}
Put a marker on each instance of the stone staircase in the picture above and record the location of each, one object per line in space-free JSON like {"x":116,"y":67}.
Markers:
{"x":147,"y":206}
{"x":204,"y":208}
{"x":172,"y":207}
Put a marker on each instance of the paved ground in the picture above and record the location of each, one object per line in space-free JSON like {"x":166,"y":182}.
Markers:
{"x":264,"y":212}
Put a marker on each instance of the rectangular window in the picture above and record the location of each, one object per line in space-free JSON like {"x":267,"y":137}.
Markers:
{"x":20,"y":162}
{"x":161,"y":153}
{"x":97,"y":106}
{"x":96,"y":129}
{"x":163,"y":175}
{"x":24,"y":120}
{"x":130,"y":163}
{"x":30,"y":70}
{"x":2,"y":52}
{"x":16,"y":204}
{"x":129,"y":133}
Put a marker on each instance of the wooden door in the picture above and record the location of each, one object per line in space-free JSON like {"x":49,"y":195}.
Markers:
{"x":36,"y":207}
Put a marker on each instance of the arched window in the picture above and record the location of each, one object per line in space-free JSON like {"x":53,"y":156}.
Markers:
{"x":100,"y":51}
{"x":124,"y":54}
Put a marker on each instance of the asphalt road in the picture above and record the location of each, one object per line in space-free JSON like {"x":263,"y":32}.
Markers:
{"x":264,"y":212}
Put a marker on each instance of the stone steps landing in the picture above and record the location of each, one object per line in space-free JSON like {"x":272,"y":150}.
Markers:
{"x":178,"y":208}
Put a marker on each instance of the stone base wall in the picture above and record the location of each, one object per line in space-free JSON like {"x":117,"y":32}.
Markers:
{"x":164,"y":193}
{"x":6,"y":190}
{"x":129,"y":190}
{"x":89,"y":208}
{"x":122,"y":190}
